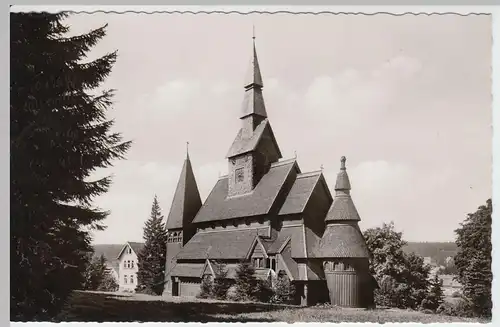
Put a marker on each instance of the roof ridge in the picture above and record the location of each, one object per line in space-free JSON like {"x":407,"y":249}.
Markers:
{"x":283,"y":162}
{"x":310,"y":173}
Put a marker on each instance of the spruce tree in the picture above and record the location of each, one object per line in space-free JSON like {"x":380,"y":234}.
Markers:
{"x":151,"y":259}
{"x":221,"y":283}
{"x":59,"y":136}
{"x":473,"y":260}
{"x":246,"y":282}
{"x":435,"y":296}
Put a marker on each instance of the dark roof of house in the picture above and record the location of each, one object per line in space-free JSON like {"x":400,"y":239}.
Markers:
{"x":109,"y":251}
{"x":136,"y":246}
{"x":342,"y":240}
{"x":218,"y":206}
{"x":243,"y":145}
{"x":219,"y":244}
{"x":187,"y":200}
{"x":301,"y":192}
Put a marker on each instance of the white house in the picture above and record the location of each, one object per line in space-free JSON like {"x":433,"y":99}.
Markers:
{"x":127,"y":263}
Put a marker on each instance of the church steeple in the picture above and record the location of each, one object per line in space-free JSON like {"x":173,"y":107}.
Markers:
{"x":253,"y":102}
{"x":254,"y":148}
{"x":254,"y":77}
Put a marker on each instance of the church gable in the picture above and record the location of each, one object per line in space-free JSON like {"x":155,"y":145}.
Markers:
{"x":257,"y":249}
{"x":208,"y":269}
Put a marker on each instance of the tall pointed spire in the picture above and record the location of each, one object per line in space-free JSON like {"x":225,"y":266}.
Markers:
{"x":187,"y":200}
{"x":254,"y":77}
{"x":253,"y":103}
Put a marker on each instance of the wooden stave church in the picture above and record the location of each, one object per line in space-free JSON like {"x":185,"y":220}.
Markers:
{"x":268,"y":211}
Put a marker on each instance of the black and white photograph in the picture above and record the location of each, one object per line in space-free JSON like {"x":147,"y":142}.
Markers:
{"x":260,"y":167}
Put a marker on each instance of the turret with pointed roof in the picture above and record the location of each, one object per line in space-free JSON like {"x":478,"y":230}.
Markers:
{"x":186,"y":201}
{"x":344,"y":249}
{"x":342,"y":237}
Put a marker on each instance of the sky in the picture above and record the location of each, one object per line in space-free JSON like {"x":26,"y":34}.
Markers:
{"x":407,"y":99}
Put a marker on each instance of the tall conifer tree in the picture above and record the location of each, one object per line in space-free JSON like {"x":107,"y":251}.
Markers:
{"x":151,"y":259}
{"x":59,"y":136}
{"x":473,"y":260}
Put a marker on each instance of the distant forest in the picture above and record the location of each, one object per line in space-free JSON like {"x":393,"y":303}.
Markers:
{"x":438,"y":251}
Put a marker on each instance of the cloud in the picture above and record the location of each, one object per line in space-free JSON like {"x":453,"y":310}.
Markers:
{"x":173,"y":97}
{"x":353,"y":93}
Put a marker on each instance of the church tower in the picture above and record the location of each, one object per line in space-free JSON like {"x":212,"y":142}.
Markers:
{"x":255,"y":147}
{"x":185,"y":206}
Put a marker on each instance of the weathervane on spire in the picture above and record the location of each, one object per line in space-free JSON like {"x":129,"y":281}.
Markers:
{"x":187,"y":149}
{"x":321,"y":167}
{"x":253,"y":32}
{"x":295,"y":154}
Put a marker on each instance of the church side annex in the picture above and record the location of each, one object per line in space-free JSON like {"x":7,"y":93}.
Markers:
{"x":270,"y":212}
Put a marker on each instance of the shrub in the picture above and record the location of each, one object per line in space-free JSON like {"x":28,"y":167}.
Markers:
{"x":264,"y":291}
{"x":284,"y":290}
{"x":456,"y":294}
{"x":206,"y":288}
{"x":460,"y":309}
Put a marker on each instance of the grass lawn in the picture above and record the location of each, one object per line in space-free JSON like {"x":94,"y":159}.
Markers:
{"x":87,"y":306}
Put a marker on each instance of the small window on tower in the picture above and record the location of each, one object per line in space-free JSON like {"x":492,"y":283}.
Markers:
{"x":239,"y":175}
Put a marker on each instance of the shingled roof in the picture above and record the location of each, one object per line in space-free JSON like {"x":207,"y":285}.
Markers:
{"x":300,"y":193}
{"x":219,"y":244}
{"x":343,"y":207}
{"x":218,"y":206}
{"x":187,"y":270}
{"x":343,"y":240}
{"x":187,"y":200}
{"x":292,"y":234}
{"x":243,"y":145}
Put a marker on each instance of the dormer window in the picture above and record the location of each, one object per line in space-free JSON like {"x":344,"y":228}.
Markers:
{"x":240,"y":175}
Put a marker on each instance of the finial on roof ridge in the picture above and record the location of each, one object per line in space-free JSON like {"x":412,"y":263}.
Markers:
{"x":187,"y":150}
{"x":342,"y":162}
